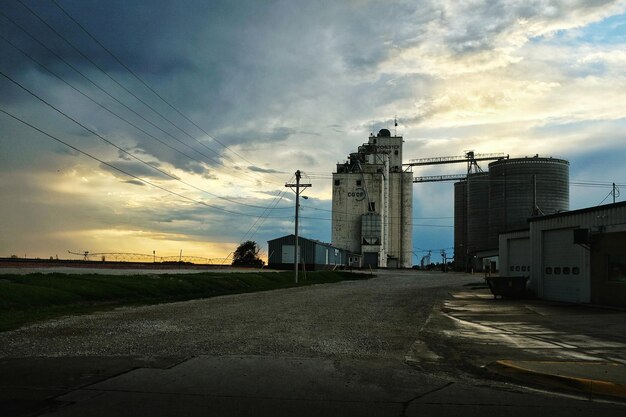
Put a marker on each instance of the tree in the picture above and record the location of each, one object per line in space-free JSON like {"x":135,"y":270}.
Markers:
{"x":247,"y":254}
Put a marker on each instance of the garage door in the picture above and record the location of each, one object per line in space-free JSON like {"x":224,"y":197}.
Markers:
{"x":518,"y":251}
{"x":370,"y":259}
{"x":287,"y":254}
{"x":565,"y":270}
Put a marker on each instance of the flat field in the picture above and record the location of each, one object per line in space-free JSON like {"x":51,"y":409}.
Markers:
{"x":29,"y":298}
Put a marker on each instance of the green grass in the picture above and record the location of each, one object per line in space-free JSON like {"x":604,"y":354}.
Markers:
{"x":29,"y":298}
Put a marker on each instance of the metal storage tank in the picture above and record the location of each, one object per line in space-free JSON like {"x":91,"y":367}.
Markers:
{"x":477,"y":211}
{"x":460,"y":225}
{"x":371,"y":229}
{"x":523,"y":187}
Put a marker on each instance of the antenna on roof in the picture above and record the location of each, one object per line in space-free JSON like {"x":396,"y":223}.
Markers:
{"x":395,"y":124}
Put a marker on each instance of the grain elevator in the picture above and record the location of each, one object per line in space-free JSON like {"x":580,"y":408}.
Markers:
{"x":373,"y":203}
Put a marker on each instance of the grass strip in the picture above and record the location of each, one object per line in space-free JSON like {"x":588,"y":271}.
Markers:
{"x":26,"y":299}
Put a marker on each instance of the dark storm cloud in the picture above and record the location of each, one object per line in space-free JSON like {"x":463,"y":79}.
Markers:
{"x":135,"y":169}
{"x":135,"y":182}
{"x":265,"y":170}
{"x":275,"y":135}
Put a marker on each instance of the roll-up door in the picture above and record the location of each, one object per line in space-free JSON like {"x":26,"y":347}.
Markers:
{"x":565,"y":268}
{"x":518,"y":252}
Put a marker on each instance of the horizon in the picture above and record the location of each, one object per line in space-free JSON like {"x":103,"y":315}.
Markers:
{"x":160,"y":127}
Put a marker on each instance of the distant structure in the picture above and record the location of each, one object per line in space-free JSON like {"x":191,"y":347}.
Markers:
{"x":373,"y":204}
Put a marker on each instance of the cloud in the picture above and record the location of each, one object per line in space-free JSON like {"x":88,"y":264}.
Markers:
{"x":135,"y":182}
{"x":136,"y":169}
{"x":265,"y":170}
{"x":275,"y":87}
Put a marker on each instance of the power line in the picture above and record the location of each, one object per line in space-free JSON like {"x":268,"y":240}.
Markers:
{"x":120,"y":169}
{"x":99,"y":87}
{"x":121,"y":149}
{"x":119,"y":61}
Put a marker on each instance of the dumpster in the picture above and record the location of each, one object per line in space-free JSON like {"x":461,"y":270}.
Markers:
{"x":508,"y":287}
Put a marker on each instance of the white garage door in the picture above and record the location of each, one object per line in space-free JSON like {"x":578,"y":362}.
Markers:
{"x":287,"y":254}
{"x":518,"y":251}
{"x":565,"y":268}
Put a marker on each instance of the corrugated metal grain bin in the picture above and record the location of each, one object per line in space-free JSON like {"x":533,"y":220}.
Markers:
{"x":523,"y":187}
{"x":477,"y":211}
{"x":460,"y":225}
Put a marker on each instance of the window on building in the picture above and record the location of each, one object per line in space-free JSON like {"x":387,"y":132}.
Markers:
{"x":566,"y":270}
{"x":337,"y":182}
{"x":372,"y":206}
{"x":358,"y":183}
{"x":548,"y":270}
{"x":517,"y":268}
{"x":617,"y":267}
{"x":395,"y":152}
{"x":528,"y":268}
{"x":557,"y":270}
{"x":575,"y":270}
{"x":523,"y":268}
{"x":511,"y":268}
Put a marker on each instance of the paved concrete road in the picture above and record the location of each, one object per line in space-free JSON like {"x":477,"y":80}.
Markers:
{"x":337,"y":349}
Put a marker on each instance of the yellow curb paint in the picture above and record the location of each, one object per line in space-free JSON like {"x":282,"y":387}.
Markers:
{"x":592,"y":386}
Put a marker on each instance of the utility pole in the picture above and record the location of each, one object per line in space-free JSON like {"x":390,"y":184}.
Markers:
{"x":445,"y":259}
{"x":297,"y":186}
{"x":613,"y":193}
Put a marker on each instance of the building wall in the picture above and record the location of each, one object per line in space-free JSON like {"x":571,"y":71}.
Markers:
{"x":514,"y":254}
{"x":391,"y":145}
{"x":400,"y":218}
{"x":552,"y":240}
{"x":351,"y":201}
{"x":608,"y":268}
{"x":406,"y":233}
{"x":314,"y":255}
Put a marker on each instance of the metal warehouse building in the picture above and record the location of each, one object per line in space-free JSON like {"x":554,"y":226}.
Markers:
{"x":313,"y":254}
{"x":577,"y":256}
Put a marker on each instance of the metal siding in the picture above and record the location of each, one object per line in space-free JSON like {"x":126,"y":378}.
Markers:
{"x":593,"y":218}
{"x":274,"y":249}
{"x":307,"y":250}
{"x":460,"y":225}
{"x":511,"y":191}
{"x":477,"y":212}
{"x":320,"y":258}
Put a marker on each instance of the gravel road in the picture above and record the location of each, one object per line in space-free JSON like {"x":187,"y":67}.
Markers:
{"x":379,"y":318}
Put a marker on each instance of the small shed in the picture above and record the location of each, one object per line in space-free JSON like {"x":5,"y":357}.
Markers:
{"x":313,"y":254}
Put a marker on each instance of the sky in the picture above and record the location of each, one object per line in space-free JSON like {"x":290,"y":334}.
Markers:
{"x":169,"y":127}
